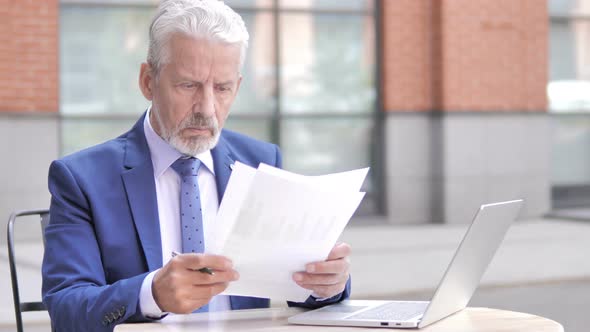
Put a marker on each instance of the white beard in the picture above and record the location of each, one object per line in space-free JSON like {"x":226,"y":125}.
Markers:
{"x":194,"y":145}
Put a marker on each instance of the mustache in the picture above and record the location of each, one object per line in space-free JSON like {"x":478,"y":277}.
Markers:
{"x":198,"y":120}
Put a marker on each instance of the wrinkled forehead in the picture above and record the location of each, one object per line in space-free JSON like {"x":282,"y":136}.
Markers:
{"x":198,"y":56}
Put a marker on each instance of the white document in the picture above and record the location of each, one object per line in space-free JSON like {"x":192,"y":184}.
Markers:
{"x":271,"y":223}
{"x":235,"y":193}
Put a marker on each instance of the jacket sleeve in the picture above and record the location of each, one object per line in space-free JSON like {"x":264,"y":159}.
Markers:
{"x":75,"y":290}
{"x":313,"y":303}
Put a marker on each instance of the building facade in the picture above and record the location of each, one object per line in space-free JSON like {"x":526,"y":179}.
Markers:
{"x":445,"y":100}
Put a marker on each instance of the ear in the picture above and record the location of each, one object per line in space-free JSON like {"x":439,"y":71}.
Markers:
{"x":146,"y":81}
{"x":238,"y":85}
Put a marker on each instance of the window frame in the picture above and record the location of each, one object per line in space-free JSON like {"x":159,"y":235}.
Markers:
{"x":374,"y":202}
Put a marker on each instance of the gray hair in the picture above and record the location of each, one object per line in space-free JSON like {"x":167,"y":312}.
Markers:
{"x":211,"y":19}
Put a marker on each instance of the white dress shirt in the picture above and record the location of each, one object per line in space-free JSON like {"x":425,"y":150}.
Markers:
{"x":168,"y":197}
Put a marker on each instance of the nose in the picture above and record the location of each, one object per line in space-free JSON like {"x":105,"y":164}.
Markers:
{"x":205,"y":101}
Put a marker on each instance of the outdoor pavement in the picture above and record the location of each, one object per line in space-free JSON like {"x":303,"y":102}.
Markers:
{"x":541,"y":268}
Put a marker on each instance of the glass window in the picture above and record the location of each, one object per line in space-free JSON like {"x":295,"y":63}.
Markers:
{"x":569,"y":100}
{"x":237,"y":4}
{"x":323,"y":71}
{"x":313,"y":145}
{"x":308,"y":83}
{"x":569,"y":7}
{"x":101,"y":49}
{"x":258,"y":89}
{"x":101,"y":76}
{"x":259,"y":128}
{"x":569,"y":72}
{"x":328,"y":4}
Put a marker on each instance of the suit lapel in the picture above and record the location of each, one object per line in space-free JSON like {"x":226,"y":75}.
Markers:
{"x":141,"y":194}
{"x":222,"y":162}
{"x":141,"y":189}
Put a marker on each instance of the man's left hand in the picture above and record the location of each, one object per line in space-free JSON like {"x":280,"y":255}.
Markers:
{"x":327,"y":279}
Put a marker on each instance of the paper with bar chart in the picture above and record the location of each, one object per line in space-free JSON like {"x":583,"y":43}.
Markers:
{"x":271,"y":223}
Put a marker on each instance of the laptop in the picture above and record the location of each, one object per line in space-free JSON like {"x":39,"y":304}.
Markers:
{"x":454,"y":291}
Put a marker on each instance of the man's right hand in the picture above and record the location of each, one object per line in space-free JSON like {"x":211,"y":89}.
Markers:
{"x":180,"y":288}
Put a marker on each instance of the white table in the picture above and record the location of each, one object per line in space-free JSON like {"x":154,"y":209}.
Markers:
{"x":468,"y":320}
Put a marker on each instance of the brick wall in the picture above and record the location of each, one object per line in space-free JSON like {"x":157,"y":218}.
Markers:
{"x":29,"y":56}
{"x":465,"y":55}
{"x":407,"y":47}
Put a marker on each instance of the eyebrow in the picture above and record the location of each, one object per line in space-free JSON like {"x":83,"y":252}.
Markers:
{"x":225,"y":83}
{"x":184,"y":78}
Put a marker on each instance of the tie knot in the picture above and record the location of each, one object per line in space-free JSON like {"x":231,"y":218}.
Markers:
{"x":186,"y":166}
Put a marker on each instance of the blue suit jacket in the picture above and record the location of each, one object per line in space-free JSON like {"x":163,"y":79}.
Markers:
{"x":104,"y":234}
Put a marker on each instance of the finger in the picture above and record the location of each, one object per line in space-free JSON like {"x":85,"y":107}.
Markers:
{"x":194,"y":261}
{"x":184,"y":299}
{"x":302,"y":278}
{"x":206,"y":292}
{"x":340,"y":250}
{"x":195,"y":297}
{"x":199,"y":278}
{"x":333,"y":266}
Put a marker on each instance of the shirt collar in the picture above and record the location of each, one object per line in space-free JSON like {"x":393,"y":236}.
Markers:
{"x":163,"y":154}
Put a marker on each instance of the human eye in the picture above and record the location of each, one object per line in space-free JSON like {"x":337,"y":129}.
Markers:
{"x":187,"y":85}
{"x":223,"y":88}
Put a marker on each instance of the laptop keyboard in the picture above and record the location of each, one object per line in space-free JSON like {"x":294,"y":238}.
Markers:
{"x":395,"y":311}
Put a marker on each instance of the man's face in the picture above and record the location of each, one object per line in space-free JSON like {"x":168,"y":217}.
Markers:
{"x":193,"y":92}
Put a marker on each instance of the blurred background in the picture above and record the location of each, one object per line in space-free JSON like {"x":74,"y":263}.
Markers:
{"x":451,"y":103}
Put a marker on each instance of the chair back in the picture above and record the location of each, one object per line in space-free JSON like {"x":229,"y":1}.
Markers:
{"x":20,"y":307}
